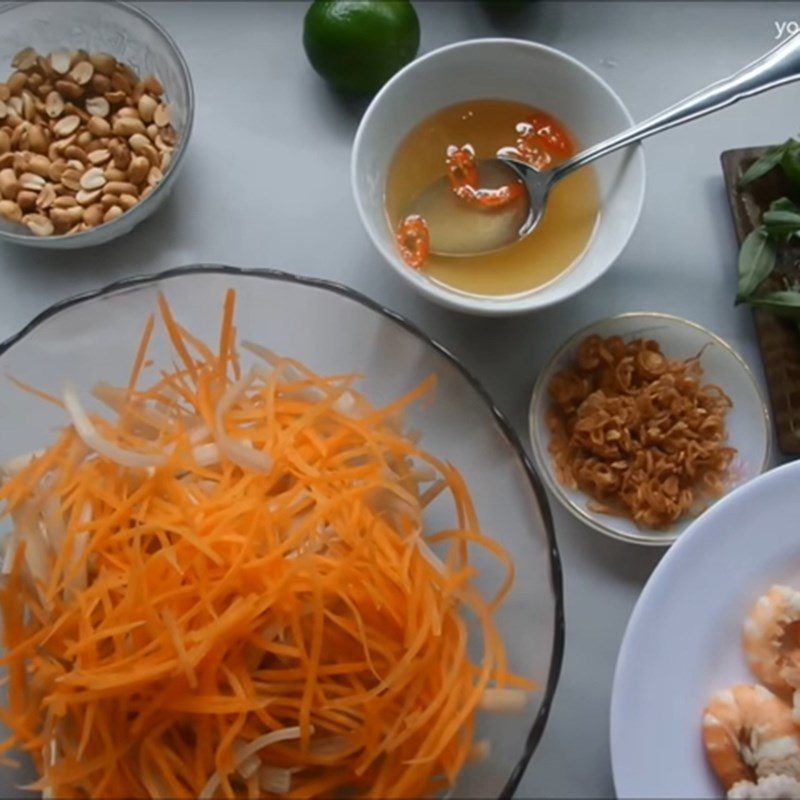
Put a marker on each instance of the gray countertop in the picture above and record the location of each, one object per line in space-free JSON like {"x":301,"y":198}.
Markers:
{"x":261,"y":109}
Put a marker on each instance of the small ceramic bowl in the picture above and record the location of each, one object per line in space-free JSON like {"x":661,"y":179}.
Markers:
{"x":747,"y":421}
{"x":132,"y":36}
{"x":512,"y":70}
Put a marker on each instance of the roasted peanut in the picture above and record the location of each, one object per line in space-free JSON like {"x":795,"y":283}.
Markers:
{"x":67,"y":163}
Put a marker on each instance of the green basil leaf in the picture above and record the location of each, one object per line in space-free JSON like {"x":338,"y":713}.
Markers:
{"x":756,"y":262}
{"x":783,"y":204}
{"x":783,"y":304}
{"x":790,"y":163}
{"x":781,"y":223}
{"x":763,"y":165}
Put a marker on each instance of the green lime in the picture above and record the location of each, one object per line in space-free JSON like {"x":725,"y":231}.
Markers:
{"x":357,"y":45}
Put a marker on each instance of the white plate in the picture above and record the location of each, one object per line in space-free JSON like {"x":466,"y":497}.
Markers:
{"x":683,"y":639}
{"x":747,"y":420}
{"x":333,"y":330}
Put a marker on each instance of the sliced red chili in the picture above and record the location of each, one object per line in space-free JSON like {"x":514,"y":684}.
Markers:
{"x":464,"y":178}
{"x":413,"y":241}
{"x":550,"y":131}
{"x":532,"y":149}
{"x":490,"y":198}
{"x":461,"y":167}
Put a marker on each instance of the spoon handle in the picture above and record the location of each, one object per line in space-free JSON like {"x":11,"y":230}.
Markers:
{"x":780,"y":65}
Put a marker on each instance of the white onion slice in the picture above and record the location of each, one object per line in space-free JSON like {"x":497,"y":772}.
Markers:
{"x":91,"y":437}
{"x":199,"y":434}
{"x":247,"y":766}
{"x":18,"y":463}
{"x":431,"y":557}
{"x":481,"y":750}
{"x":116,"y":399}
{"x":10,"y":551}
{"x":80,"y":579}
{"x":248,"y":750}
{"x":507,"y":701}
{"x":246,"y":457}
{"x":36,"y":550}
{"x":53,"y":521}
{"x":333,"y":745}
{"x":276,"y":780}
{"x":289,"y":370}
{"x":345,"y":403}
{"x":205,"y":455}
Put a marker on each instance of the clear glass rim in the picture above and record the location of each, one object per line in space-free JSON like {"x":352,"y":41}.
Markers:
{"x":110,"y":228}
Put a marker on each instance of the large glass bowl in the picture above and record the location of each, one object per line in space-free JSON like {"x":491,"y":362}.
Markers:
{"x":333,"y":330}
{"x":132,"y":36}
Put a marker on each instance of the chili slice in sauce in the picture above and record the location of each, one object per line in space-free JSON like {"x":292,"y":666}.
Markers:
{"x":463,"y":174}
{"x":413,"y":241}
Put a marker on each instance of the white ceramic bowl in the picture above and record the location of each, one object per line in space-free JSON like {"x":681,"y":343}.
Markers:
{"x":747,"y":421}
{"x":512,"y":70}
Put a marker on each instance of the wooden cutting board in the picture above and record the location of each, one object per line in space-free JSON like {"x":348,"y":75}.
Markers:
{"x":778,"y":340}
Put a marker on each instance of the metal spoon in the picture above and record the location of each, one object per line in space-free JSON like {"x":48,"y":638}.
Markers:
{"x":459,"y":229}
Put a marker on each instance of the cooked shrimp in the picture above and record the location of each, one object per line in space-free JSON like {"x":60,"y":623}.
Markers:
{"x":773,"y":787}
{"x":771,"y":639}
{"x":748,"y":734}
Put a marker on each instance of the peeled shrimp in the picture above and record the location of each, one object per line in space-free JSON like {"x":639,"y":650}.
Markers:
{"x":773,"y":787}
{"x":770,"y":639}
{"x":749,"y":733}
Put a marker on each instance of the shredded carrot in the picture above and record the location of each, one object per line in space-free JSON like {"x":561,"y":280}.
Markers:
{"x":141,"y":353}
{"x":42,"y":395}
{"x":232,"y":589}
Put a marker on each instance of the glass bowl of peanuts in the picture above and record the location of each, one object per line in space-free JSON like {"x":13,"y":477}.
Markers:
{"x":640,"y":422}
{"x":96,"y":111}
